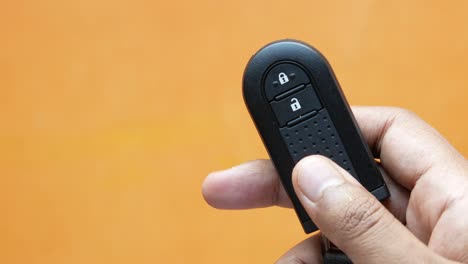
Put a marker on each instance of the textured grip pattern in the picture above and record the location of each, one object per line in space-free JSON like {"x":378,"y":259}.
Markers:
{"x":317,"y":135}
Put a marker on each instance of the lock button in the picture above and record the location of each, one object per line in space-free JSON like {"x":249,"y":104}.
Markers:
{"x":296,"y":105}
{"x":282,"y":78}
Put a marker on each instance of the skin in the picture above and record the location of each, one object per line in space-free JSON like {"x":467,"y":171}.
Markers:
{"x":424,"y":221}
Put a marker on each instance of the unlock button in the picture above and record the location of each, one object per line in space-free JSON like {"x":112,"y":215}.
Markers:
{"x":296,"y":105}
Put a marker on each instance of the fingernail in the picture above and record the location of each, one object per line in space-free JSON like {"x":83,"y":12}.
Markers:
{"x":315,"y":175}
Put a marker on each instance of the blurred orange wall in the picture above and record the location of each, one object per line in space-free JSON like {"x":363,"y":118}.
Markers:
{"x":113,"y":112}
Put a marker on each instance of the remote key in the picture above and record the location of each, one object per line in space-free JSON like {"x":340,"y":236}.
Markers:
{"x":299,"y":109}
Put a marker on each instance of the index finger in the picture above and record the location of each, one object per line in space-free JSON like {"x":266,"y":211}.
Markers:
{"x":406,"y":145}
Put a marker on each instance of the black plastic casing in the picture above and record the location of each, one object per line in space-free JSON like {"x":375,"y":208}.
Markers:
{"x":326,"y":86}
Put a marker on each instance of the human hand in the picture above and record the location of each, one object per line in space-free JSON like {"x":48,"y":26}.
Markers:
{"x":424,"y":221}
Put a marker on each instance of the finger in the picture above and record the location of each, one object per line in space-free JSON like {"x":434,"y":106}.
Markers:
{"x":406,"y":145}
{"x":449,"y":238}
{"x":351,"y":217}
{"x":308,"y":251}
{"x":411,"y":151}
{"x":254,"y":184}
{"x":397,"y":203}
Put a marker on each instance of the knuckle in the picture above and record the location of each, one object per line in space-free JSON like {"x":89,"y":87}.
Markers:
{"x":360,"y":216}
{"x":401,"y":110}
{"x":403,"y":113}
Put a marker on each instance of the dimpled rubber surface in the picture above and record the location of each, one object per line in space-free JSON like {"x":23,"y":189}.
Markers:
{"x":317,"y":135}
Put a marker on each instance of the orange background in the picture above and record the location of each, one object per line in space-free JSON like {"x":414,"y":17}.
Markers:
{"x":112,"y":113}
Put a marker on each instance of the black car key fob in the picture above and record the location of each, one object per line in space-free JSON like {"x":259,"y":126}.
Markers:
{"x":299,"y":109}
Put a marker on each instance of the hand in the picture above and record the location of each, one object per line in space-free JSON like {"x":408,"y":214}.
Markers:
{"x":424,"y":221}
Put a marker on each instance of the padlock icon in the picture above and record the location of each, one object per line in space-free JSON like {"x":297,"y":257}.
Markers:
{"x":283,"y":78}
{"x":295,"y":104}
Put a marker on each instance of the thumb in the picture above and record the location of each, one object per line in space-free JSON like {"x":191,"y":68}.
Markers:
{"x":351,"y":217}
